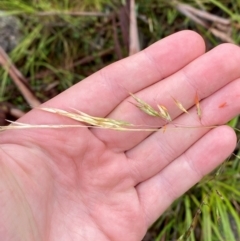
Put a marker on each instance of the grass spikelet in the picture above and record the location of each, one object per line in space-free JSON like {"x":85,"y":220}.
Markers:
{"x":90,"y":120}
{"x":164,"y":113}
{"x":199,"y":111}
{"x":224,"y":104}
{"x":148,"y":109}
{"x":180,"y":106}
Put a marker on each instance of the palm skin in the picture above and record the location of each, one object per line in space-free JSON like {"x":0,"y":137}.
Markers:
{"x":91,"y":184}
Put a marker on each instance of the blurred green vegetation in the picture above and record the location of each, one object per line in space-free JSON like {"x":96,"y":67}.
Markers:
{"x":59,"y":48}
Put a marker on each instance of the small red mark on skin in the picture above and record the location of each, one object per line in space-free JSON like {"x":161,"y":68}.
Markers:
{"x":224,"y":104}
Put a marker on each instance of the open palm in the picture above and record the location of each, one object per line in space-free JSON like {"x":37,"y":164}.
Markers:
{"x":93,"y":184}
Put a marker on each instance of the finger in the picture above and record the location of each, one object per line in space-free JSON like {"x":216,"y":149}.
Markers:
{"x":204,"y":76}
{"x":157,"y":193}
{"x":100,"y":93}
{"x":162,"y":147}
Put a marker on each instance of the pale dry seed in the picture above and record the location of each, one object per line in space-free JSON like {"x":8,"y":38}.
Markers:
{"x":180,"y":106}
{"x":199,"y":111}
{"x":164,"y":113}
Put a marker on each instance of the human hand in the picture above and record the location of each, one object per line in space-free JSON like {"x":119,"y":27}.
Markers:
{"x":93,"y":184}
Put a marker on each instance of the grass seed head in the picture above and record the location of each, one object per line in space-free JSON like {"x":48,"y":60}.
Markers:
{"x":146,"y":108}
{"x":90,"y":120}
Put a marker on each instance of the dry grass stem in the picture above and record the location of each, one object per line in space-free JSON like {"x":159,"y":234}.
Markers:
{"x":221,"y":26}
{"x":206,"y":15}
{"x":20,"y":126}
{"x":18,"y":79}
{"x":108,"y":123}
{"x":134,"y":45}
{"x":16,"y":112}
{"x":71,"y":13}
{"x":193,"y":225}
